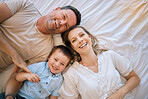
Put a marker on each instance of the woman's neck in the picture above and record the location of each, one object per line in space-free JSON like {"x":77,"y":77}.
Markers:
{"x":89,"y":59}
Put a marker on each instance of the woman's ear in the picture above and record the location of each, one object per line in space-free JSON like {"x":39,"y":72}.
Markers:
{"x":89,"y":36}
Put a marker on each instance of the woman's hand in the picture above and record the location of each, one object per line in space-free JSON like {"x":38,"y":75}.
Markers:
{"x":116,"y":96}
{"x":132,"y":82}
{"x":33,"y":78}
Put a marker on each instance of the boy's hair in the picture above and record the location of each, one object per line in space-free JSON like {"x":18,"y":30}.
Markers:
{"x":65,"y":50}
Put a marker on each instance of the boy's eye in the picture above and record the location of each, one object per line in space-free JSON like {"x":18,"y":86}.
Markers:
{"x":62,"y":64}
{"x":55,"y":59}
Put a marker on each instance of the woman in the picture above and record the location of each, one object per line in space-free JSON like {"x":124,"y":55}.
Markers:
{"x":96,"y":73}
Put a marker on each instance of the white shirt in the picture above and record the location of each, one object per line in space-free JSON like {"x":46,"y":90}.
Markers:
{"x":81,"y":81}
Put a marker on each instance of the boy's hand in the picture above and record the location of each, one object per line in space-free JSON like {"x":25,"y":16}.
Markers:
{"x":33,"y":78}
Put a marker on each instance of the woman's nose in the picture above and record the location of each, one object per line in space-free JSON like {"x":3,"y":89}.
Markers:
{"x":80,"y":39}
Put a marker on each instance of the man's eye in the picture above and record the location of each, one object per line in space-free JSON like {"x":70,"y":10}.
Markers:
{"x":66,"y":26}
{"x":64,"y":17}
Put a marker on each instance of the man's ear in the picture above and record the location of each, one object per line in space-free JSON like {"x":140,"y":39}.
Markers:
{"x":57,"y":8}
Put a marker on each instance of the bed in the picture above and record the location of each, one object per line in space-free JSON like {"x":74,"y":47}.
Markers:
{"x":120,"y":25}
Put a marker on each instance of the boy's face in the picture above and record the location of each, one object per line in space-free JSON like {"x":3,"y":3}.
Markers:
{"x":57,"y":61}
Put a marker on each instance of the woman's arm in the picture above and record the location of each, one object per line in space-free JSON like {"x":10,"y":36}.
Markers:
{"x":132,"y":82}
{"x":22,"y":76}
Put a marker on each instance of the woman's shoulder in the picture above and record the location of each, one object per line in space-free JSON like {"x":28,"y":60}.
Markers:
{"x":73,"y":68}
{"x":108,"y":52}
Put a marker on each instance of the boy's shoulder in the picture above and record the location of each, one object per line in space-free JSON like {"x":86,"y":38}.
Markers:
{"x":37,"y":64}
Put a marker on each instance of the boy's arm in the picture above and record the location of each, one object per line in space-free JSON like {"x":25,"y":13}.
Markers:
{"x":53,"y":97}
{"x":22,"y":76}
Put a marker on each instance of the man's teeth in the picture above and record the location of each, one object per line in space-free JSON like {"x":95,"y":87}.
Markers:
{"x":83,"y":45}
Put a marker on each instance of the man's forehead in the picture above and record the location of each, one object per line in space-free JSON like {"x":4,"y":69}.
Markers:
{"x":71,"y":17}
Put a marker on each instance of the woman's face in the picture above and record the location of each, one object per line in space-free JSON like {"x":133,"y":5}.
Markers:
{"x":80,"y":40}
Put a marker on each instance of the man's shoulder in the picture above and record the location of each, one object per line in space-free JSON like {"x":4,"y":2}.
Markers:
{"x":18,"y":5}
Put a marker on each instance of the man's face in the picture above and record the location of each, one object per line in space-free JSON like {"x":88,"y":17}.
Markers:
{"x":59,"y":21}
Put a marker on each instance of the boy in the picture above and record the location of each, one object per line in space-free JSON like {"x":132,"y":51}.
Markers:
{"x":45,"y":79}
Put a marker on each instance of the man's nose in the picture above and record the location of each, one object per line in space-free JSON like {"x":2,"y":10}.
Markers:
{"x":62,"y":22}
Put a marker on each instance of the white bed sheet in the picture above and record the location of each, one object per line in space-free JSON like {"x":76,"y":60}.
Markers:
{"x":120,"y":25}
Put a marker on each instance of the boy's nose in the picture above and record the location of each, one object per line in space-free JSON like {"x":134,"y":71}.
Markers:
{"x":57,"y":64}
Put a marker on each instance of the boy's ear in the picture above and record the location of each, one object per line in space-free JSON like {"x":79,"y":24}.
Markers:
{"x":48,"y":58}
{"x":57,"y":8}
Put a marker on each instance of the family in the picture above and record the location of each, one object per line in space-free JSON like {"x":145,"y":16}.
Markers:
{"x":79,"y":69}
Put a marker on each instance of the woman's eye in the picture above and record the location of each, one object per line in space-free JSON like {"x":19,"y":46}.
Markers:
{"x":81,"y":35}
{"x":73,"y":41}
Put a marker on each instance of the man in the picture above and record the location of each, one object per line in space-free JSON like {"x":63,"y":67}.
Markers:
{"x":25,"y":35}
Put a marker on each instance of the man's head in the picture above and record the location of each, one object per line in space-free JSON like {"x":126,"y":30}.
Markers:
{"x":60,"y":20}
{"x":77,"y":13}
